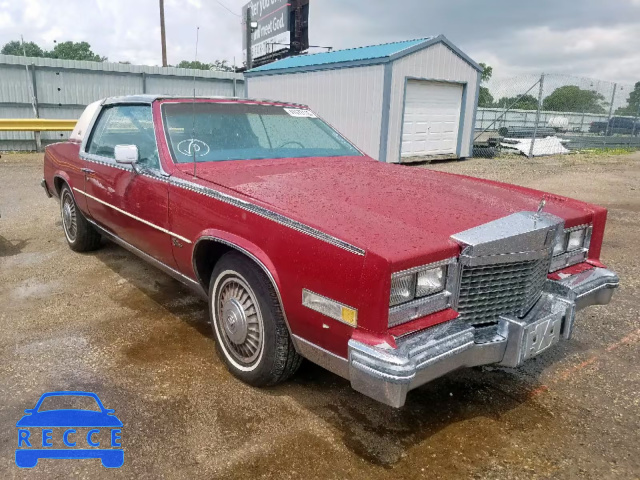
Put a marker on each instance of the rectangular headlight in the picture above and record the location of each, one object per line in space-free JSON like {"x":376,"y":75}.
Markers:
{"x":403,"y":289}
{"x":561,"y":244}
{"x":430,"y":281}
{"x":576,"y":239}
{"x":572,"y":247}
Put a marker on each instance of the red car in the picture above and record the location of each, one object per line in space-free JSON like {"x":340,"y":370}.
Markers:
{"x":303,"y":246}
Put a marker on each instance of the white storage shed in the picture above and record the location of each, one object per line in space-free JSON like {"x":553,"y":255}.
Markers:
{"x":398,"y":102}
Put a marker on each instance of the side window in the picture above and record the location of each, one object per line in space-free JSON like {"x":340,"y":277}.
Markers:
{"x":125,"y":125}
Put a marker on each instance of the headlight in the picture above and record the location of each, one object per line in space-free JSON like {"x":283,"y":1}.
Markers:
{"x":576,"y":239}
{"x":403,"y":289}
{"x":571,"y":247}
{"x":417,"y":284}
{"x":561,"y":244}
{"x":430,"y":281}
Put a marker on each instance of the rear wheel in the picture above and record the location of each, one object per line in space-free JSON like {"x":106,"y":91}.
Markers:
{"x":251,"y":334}
{"x":81,"y":235}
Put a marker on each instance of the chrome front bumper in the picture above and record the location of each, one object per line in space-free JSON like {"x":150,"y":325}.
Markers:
{"x":387,"y":374}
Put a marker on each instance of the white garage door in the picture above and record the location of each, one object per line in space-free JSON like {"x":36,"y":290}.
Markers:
{"x":431,"y":118}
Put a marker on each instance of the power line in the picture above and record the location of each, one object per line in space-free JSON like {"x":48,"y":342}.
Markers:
{"x":227,"y":8}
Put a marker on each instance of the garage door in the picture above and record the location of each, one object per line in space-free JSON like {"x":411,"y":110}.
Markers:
{"x":431,"y":118}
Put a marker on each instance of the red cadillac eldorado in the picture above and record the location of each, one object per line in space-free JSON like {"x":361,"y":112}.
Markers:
{"x":303,"y":246}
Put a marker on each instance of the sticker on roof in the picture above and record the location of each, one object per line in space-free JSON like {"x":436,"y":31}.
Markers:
{"x":300,"y":112}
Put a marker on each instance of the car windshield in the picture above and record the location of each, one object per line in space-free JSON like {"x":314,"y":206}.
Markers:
{"x":213,"y":132}
{"x":65,"y":402}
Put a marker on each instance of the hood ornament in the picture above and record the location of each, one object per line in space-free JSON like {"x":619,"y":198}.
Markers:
{"x":541,"y":206}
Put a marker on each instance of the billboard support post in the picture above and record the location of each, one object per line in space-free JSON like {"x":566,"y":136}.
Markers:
{"x":248,"y":33}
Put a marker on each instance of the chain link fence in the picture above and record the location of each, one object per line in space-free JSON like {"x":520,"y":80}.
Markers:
{"x":555,"y":114}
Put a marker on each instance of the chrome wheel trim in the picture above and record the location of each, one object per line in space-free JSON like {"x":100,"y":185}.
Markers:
{"x":69,"y":216}
{"x":238,"y":320}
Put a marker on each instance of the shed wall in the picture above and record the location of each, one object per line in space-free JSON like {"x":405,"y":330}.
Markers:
{"x":440,"y":63}
{"x":65,"y":87}
{"x":350,"y":99}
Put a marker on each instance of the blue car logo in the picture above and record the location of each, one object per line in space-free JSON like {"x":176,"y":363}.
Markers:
{"x":69,"y":430}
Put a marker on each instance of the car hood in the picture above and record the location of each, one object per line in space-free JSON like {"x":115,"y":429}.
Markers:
{"x":69,"y":418}
{"x":396,"y":211}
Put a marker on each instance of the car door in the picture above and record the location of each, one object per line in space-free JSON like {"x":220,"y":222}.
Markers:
{"x":129,"y":201}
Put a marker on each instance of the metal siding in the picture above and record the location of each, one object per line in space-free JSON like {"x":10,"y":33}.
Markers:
{"x":15,"y":86}
{"x":437,"y":62}
{"x":350,"y":99}
{"x":65,"y":86}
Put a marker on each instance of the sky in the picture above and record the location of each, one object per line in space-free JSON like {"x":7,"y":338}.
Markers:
{"x":587,"y":38}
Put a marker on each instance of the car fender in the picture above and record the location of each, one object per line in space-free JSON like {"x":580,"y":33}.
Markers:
{"x":61,"y":174}
{"x":243,"y":245}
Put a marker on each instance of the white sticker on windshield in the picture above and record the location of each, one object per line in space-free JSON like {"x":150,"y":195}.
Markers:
{"x":300,"y":112}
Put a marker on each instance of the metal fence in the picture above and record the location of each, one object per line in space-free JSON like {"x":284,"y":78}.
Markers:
{"x":50,"y":88}
{"x":555,"y":114}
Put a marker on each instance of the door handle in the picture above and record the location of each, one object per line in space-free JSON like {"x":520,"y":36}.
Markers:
{"x":87,"y":170}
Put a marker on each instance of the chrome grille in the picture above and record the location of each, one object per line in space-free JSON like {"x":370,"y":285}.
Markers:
{"x":488,"y":291}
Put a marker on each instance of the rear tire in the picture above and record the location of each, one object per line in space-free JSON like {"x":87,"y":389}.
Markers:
{"x":80,"y":234}
{"x":251,"y":333}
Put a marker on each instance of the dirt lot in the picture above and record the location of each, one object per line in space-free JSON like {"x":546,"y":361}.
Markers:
{"x":108,"y":323}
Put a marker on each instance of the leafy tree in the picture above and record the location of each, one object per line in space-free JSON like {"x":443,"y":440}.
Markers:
{"x":75,"y":51}
{"x":15,"y":47}
{"x":527,"y":102}
{"x":572,"y":98}
{"x":487,"y":71}
{"x":193,"y":64}
{"x":485,"y":99}
{"x":222,"y":66}
{"x":633,"y":104}
{"x":219,"y":65}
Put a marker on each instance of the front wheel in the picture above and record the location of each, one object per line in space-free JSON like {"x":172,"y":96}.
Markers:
{"x":251,"y":334}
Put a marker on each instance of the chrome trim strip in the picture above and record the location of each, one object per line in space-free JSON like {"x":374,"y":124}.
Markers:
{"x":318,"y":355}
{"x":265,"y":213}
{"x":428,"y":266}
{"x":192,"y":284}
{"x":471,"y":261}
{"x":163,"y":230}
{"x":252,"y":257}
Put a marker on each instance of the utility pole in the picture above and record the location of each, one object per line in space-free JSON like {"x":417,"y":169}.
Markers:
{"x":163,"y":38}
{"x":535,"y":127}
{"x":613,"y":99}
{"x":248,"y":33}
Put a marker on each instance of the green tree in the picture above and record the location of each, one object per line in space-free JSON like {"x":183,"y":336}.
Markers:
{"x":194,"y":64}
{"x":487,"y":71}
{"x":485,"y":99}
{"x":527,"y":102}
{"x":219,"y":65}
{"x":572,"y":98}
{"x":75,"y":51}
{"x":15,"y":47}
{"x":633,"y":104}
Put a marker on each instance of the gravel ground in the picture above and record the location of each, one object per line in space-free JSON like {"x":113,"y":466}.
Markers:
{"x":108,"y":323}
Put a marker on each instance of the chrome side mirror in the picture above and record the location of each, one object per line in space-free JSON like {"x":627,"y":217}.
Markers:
{"x":126,"y":154}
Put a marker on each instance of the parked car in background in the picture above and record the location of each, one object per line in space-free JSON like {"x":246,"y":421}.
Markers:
{"x":303,"y":246}
{"x":616,"y":126}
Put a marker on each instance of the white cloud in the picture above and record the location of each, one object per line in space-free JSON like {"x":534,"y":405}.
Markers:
{"x":611,"y":53}
{"x":517,"y":38}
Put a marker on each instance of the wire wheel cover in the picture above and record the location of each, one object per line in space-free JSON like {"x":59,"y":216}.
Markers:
{"x":239,"y":320}
{"x":69,"y":216}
